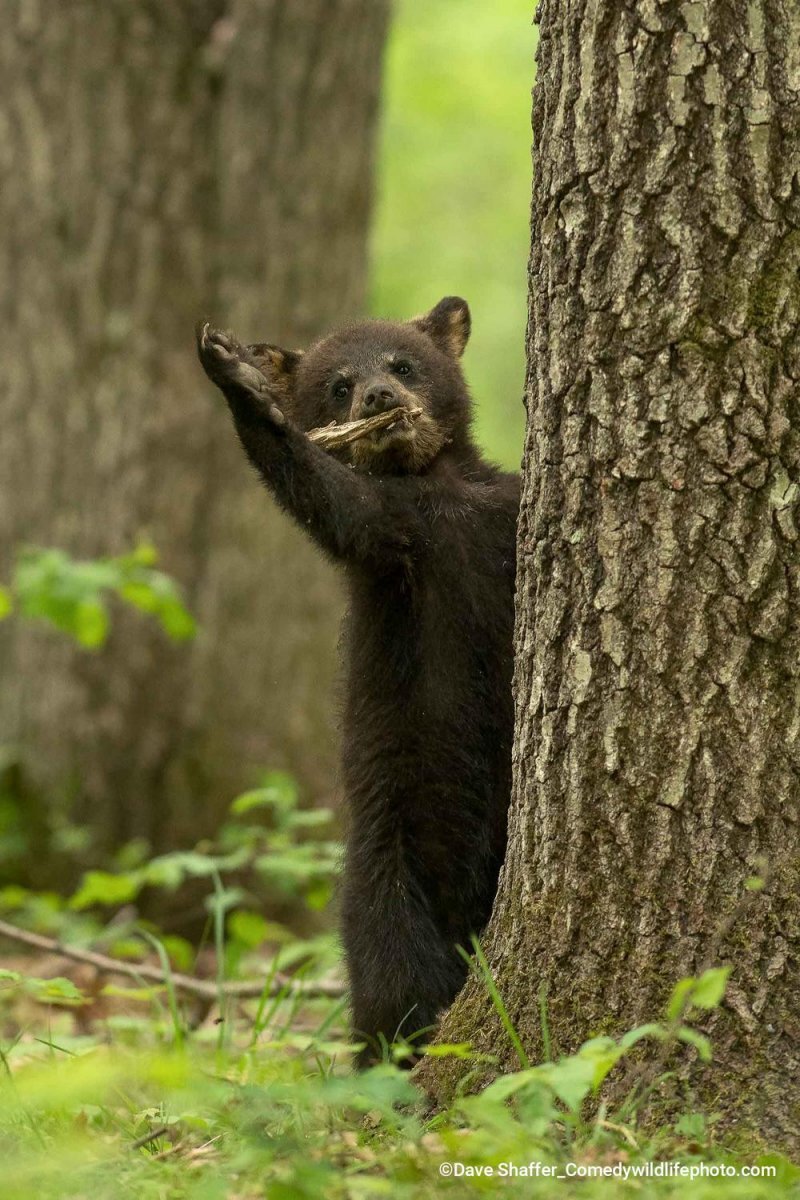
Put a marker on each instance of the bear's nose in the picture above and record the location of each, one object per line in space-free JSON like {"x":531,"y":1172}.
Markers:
{"x":378,"y":398}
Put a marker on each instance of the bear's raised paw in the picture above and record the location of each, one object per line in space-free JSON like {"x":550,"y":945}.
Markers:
{"x":225,"y":361}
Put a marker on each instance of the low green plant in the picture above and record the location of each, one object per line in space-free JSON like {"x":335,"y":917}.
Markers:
{"x":270,"y":846}
{"x":255,"y":1097}
{"x":73,"y":595}
{"x":281,"y":1115}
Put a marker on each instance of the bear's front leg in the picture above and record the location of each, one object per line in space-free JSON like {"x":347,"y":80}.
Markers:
{"x":348,"y":514}
{"x":226,"y":364}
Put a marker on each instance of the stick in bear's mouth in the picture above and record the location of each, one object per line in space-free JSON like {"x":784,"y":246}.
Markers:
{"x":332,"y":436}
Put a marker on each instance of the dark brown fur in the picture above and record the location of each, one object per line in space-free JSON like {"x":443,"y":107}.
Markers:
{"x":425,"y":529}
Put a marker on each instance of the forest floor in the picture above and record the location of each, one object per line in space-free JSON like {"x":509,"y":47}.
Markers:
{"x":110,"y":1089}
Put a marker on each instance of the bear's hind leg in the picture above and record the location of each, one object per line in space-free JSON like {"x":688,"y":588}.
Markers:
{"x":403,"y":970}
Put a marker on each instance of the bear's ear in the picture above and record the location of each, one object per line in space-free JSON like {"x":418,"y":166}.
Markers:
{"x":278,"y":366}
{"x":448,"y":325}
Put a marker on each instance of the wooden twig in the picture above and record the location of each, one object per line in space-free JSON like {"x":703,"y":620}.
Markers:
{"x":152,"y":1136}
{"x":333,"y":436}
{"x":206,"y":989}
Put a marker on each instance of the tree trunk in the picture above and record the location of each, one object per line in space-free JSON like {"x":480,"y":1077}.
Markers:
{"x":162,"y":162}
{"x":657,"y":688}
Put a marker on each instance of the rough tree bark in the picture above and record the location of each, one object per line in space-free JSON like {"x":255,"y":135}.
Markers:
{"x":657,"y":688}
{"x":159,"y":162}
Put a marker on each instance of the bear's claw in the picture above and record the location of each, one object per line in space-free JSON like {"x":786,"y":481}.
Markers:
{"x":225,"y":362}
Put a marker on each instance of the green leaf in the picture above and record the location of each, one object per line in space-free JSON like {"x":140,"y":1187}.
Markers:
{"x":155,"y":593}
{"x":449,"y":1050}
{"x":126,"y":947}
{"x":45,"y":990}
{"x":101,"y":887}
{"x":225,"y":900}
{"x":710,"y":987}
{"x":72,"y":594}
{"x":169,"y":870}
{"x":140,"y":595}
{"x":250,"y":928}
{"x":318,"y":896}
{"x":256,"y":798}
{"x":310,"y":818}
{"x":177,"y":622}
{"x":180,"y":951}
{"x":572,"y":1079}
{"x":508,"y":1085}
{"x":701,"y":1043}
{"x":278,"y":791}
{"x":295,"y":865}
{"x":603,"y":1053}
{"x":13,"y":896}
{"x":6,"y":603}
{"x":691,"y":1125}
{"x":55,"y":989}
{"x":90,"y":624}
{"x":132,"y":993}
{"x":678,"y":999}
{"x":144,"y":554}
{"x":642,"y":1031}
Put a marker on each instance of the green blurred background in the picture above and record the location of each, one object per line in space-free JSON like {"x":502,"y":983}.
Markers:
{"x":453,"y":189}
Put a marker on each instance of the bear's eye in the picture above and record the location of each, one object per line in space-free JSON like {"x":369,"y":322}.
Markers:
{"x":341,"y":389}
{"x":402,"y":369}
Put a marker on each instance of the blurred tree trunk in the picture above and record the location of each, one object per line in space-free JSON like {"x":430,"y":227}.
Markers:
{"x":657,"y":689}
{"x":159,"y":163}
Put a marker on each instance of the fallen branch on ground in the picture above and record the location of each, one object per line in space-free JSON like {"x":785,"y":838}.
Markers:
{"x":206,"y":989}
{"x":333,"y":436}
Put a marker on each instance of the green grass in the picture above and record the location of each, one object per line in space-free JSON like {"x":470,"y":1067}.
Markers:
{"x":118,"y":1086}
{"x":128,"y":1113}
{"x":454,"y":185}
{"x":121,"y":1087}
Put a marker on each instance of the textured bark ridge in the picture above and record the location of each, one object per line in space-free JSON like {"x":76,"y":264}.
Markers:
{"x":657,"y":755}
{"x":161,"y":162}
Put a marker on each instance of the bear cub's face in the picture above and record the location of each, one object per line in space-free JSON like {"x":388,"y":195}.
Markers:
{"x":375,"y":366}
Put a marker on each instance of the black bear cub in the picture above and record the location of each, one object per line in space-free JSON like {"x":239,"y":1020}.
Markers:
{"x":425,"y":529}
